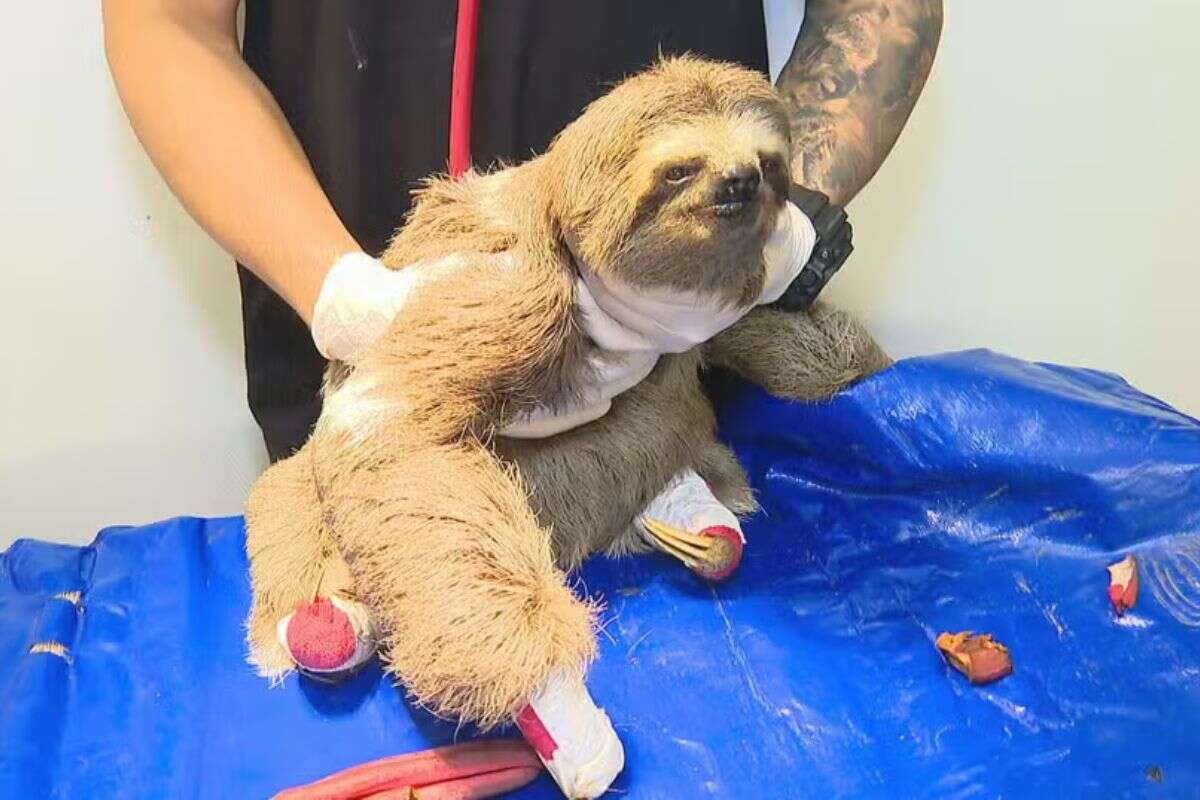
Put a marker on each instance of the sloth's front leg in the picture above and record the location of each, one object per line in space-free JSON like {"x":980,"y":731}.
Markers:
{"x":688,"y":522}
{"x":805,"y":355}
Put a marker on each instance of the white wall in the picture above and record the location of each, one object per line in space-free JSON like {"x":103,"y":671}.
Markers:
{"x":1037,"y":204}
{"x":122,"y":392}
{"x":1043,"y":200}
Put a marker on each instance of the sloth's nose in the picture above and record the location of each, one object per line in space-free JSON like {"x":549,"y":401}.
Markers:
{"x":738,"y":184}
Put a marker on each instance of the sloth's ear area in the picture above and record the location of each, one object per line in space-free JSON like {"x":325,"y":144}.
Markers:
{"x":563,"y":243}
{"x":561,"y":191}
{"x":547,"y":238}
{"x":592,"y":202}
{"x":596,"y":231}
{"x":589,"y":173}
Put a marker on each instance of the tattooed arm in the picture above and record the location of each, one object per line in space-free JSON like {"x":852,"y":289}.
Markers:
{"x":852,"y":80}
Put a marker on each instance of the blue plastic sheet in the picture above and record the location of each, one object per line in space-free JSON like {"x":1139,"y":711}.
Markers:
{"x":965,"y":491}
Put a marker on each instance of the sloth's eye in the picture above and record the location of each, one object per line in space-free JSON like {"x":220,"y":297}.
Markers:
{"x":679,"y":173}
{"x":770,"y":165}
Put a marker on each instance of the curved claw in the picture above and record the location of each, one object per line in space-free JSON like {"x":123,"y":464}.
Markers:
{"x":714,"y":553}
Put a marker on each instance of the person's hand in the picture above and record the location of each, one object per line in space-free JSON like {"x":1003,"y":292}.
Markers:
{"x":358,"y":301}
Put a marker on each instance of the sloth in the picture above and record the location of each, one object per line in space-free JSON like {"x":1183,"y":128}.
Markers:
{"x":538,"y":397}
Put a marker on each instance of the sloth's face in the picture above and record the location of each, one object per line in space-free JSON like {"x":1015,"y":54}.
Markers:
{"x":709,"y":192}
{"x":674,"y":179}
{"x":715,"y":172}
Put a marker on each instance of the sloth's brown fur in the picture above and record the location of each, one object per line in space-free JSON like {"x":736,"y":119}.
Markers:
{"x":456,"y":540}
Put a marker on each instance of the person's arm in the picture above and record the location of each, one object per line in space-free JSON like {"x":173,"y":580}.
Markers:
{"x":854,"y":75}
{"x":221,"y":142}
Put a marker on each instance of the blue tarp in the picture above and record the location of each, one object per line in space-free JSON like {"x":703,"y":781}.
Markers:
{"x":964,"y":491}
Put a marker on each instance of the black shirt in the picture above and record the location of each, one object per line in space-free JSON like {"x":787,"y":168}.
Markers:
{"x":365,"y":85}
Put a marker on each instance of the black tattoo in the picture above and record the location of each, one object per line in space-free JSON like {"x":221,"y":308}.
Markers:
{"x":854,"y":75}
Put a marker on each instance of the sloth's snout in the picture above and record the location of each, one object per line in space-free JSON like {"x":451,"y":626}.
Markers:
{"x":739,"y":183}
{"x":737,"y":187}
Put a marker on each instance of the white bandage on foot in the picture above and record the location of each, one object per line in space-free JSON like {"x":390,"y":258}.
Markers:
{"x":688,"y":503}
{"x":360,"y":298}
{"x":573,"y":738}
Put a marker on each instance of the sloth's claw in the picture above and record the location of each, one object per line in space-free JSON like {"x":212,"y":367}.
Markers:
{"x":714,"y":553}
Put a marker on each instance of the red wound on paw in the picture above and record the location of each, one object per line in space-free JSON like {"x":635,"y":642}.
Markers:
{"x":320,"y":636}
{"x":733,"y":552}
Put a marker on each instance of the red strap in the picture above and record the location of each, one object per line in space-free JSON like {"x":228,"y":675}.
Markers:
{"x":463,"y":82}
{"x":536,"y":734}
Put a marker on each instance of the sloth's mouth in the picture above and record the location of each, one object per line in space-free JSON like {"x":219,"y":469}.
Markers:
{"x":728,"y":209}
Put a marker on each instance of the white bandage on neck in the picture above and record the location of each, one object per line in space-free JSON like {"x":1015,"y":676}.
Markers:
{"x":635,"y":326}
{"x":626,"y":318}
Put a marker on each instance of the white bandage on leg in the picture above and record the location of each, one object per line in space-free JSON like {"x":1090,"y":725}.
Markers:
{"x":688,"y":503}
{"x":573,"y":738}
{"x":359,"y":299}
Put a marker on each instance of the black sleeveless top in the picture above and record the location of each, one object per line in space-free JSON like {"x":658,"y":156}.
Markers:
{"x":366,"y":86}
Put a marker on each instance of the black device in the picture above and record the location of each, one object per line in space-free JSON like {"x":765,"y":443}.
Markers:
{"x":833,"y":247}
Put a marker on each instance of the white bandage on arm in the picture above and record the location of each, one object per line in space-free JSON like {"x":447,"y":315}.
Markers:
{"x":572,"y":736}
{"x":358,"y":301}
{"x":360,"y":298}
{"x":687,"y":503}
{"x":786,"y":252}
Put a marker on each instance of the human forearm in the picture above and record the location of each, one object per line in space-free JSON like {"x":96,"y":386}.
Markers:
{"x":221,"y":142}
{"x":852,"y":80}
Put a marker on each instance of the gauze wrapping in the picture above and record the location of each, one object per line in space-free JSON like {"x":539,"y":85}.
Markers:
{"x":634,"y":326}
{"x":359,"y":300}
{"x":689,"y":504}
{"x":573,"y":737}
